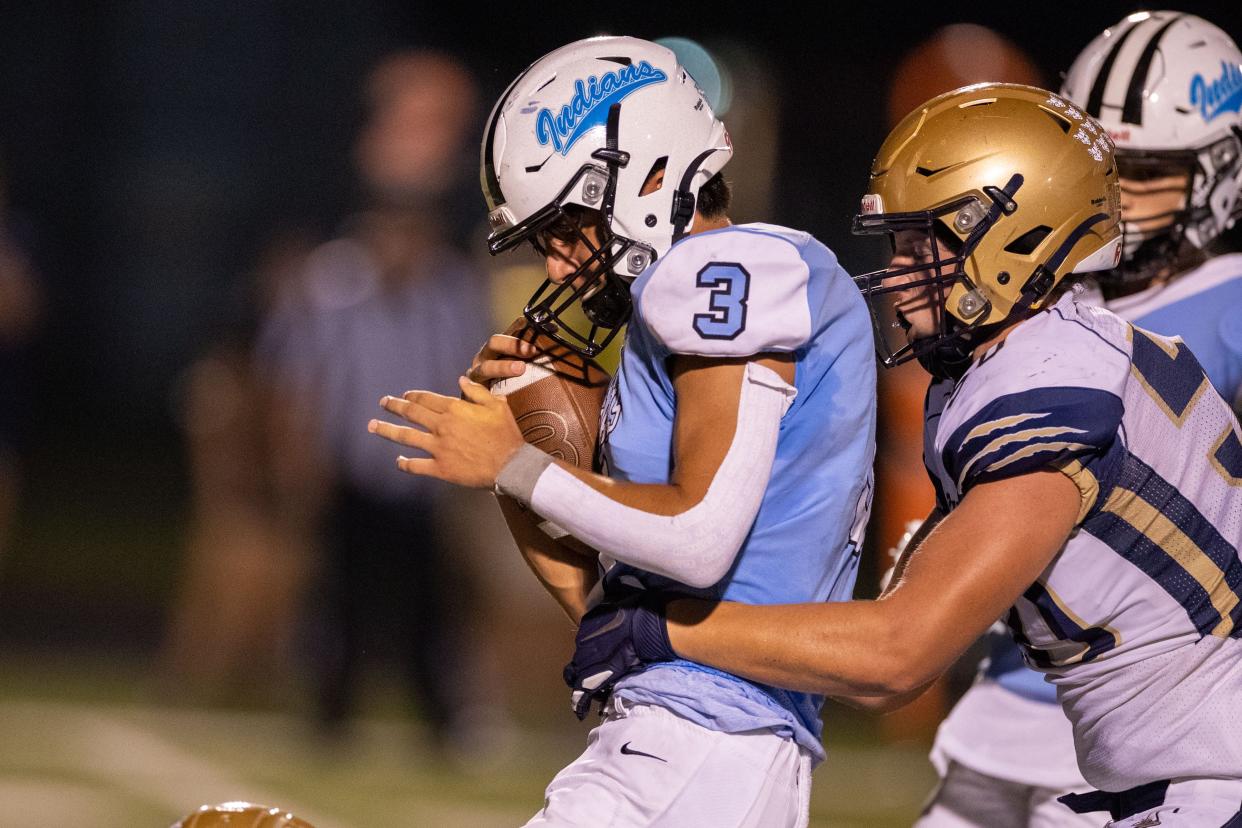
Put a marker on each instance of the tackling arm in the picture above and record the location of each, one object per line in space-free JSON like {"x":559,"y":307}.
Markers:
{"x":887,"y":704}
{"x":956,"y":584}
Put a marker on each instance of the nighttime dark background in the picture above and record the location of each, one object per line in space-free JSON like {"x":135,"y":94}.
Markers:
{"x":151,"y":148}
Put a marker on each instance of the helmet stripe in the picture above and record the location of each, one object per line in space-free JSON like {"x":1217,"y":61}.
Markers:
{"x":1133,"y":111}
{"x":1096,"y":99}
{"x":490,"y":182}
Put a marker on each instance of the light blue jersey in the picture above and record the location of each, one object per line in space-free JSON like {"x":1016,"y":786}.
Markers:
{"x":737,"y":292}
{"x":1203,"y":308}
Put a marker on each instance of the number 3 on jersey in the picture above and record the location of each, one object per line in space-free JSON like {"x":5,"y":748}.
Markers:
{"x":730,"y":285}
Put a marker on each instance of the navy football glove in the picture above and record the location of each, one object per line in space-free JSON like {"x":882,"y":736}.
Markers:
{"x":614,"y":639}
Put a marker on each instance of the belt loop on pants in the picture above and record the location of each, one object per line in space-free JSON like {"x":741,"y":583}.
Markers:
{"x":1121,"y":804}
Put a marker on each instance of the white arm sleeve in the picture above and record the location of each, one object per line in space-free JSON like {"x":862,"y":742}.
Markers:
{"x":698,"y":546}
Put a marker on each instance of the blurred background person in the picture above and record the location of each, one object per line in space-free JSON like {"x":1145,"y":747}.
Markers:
{"x":389,"y":303}
{"x":233,"y":621}
{"x":21,"y":316}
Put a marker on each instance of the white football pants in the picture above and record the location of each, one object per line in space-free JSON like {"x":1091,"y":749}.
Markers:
{"x":645,"y":766}
{"x":969,"y":799}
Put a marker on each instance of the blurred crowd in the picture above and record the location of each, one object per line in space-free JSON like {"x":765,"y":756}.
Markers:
{"x":309,"y":554}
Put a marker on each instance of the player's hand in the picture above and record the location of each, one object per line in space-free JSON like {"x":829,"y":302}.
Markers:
{"x":615,"y":639}
{"x":502,"y":357}
{"x":469,"y":440}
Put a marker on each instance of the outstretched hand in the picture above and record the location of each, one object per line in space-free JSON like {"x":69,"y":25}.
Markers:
{"x":615,"y":639}
{"x":469,"y":440}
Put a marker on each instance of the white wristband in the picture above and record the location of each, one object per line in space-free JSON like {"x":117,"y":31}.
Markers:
{"x":518,"y":477}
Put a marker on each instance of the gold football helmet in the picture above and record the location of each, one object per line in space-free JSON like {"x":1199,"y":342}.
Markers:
{"x":240,"y":815}
{"x":1020,"y":186}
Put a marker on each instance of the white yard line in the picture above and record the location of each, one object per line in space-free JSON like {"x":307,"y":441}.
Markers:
{"x":103,"y":743}
{"x":122,"y":747}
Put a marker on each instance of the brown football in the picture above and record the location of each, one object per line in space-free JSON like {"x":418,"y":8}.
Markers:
{"x":557,"y":399}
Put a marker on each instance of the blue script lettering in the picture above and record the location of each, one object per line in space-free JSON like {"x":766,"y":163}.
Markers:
{"x":589,"y":105}
{"x":1221,"y":95}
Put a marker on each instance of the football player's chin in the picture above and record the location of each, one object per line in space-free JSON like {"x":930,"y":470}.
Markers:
{"x":916,"y":320}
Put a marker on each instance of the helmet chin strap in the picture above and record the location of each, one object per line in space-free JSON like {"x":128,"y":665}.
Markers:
{"x":683,"y":199}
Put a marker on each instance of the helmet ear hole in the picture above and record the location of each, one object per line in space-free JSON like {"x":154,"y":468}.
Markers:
{"x":653,"y":181}
{"x":1025,"y":244}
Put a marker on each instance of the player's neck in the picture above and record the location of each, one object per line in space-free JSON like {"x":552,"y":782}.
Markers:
{"x":702,"y":224}
{"x":986,"y":345}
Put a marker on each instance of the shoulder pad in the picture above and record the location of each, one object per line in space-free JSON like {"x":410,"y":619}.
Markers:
{"x":727,"y":293}
{"x":1020,"y":433}
{"x":1046,"y":394}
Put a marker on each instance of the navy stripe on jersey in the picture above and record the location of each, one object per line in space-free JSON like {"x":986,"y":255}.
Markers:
{"x":1226,"y":456}
{"x":1014,"y":622}
{"x":1095,"y":640}
{"x":1023,"y":432}
{"x":1153,"y":526}
{"x":1169,"y":372}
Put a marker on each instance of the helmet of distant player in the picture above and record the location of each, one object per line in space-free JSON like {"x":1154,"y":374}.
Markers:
{"x":580,"y":133}
{"x":1168,"y":88}
{"x":240,"y":815}
{"x":1020,"y":186}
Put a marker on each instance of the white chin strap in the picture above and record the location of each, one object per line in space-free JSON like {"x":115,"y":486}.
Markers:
{"x":696,"y":547}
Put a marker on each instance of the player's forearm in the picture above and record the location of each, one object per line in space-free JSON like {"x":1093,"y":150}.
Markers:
{"x":695,"y":545}
{"x":849,"y":648}
{"x":566,"y":572}
{"x":568,"y":581}
{"x":956,"y":584}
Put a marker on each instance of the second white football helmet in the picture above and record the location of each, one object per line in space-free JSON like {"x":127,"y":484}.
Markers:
{"x":1168,"y":88}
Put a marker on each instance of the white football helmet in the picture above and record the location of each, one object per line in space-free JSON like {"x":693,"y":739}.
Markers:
{"x":1168,"y":88}
{"x":585,"y":126}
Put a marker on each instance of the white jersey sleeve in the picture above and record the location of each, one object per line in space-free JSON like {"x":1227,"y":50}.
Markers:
{"x":727,"y":293}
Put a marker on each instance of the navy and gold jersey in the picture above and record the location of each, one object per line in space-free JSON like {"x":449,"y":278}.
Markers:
{"x":1137,"y":617}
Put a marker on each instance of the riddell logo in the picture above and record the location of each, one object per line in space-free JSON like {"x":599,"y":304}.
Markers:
{"x":1119,"y":135}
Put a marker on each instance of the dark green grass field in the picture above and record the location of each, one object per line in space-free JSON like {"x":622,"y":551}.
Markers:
{"x":81,"y":746}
